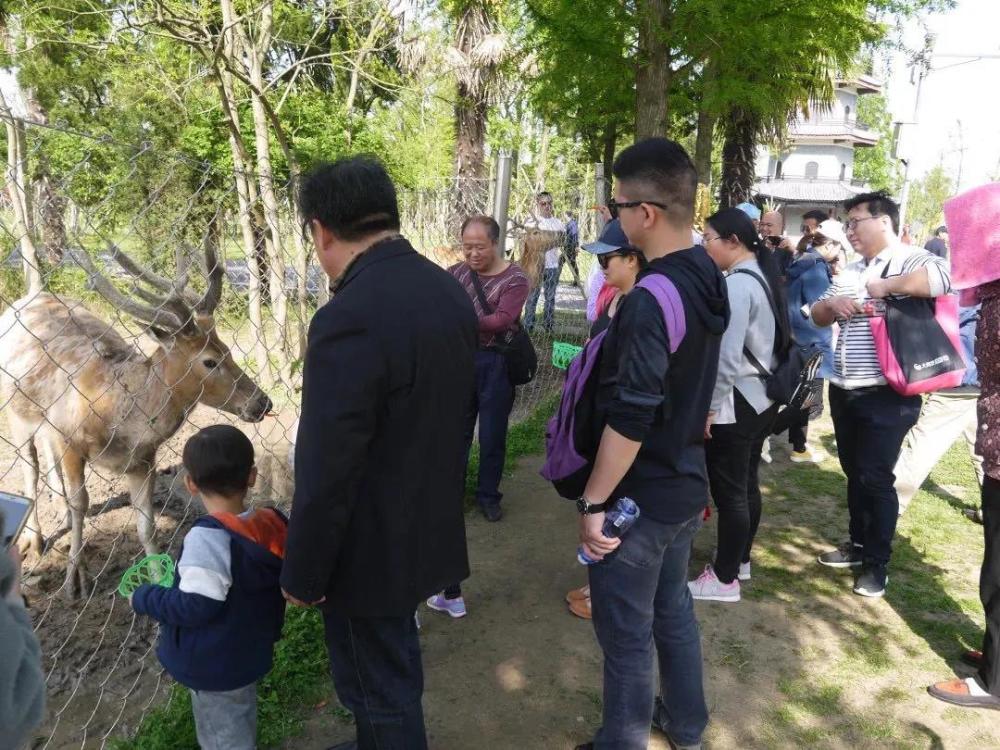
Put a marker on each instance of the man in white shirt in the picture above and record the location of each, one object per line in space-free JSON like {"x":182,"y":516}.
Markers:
{"x":870,"y":418}
{"x":553,"y":261}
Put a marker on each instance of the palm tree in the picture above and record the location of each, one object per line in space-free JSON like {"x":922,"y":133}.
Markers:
{"x":480,"y":50}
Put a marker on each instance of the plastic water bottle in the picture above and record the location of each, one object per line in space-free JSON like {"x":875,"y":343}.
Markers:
{"x":617,"y":521}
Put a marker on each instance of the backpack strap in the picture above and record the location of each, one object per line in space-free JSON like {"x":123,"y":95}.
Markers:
{"x":665,"y":292}
{"x":761,"y":370}
{"x":480,"y":293}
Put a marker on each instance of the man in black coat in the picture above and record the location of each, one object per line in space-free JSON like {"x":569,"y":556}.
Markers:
{"x":377,"y":523}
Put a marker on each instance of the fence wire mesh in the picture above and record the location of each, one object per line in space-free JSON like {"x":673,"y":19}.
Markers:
{"x":144,"y":296}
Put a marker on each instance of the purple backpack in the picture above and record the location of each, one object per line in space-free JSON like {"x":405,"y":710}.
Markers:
{"x":572,"y":436}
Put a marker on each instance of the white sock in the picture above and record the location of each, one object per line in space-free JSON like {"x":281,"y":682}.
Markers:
{"x":974,"y":689}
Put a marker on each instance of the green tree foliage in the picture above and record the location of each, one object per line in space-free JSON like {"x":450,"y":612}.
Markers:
{"x":876,"y":165}
{"x":927,"y":197}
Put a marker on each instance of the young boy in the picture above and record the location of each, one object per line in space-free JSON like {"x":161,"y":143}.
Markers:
{"x":221,"y":618}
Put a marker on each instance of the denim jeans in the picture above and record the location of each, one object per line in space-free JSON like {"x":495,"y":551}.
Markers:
{"x":377,"y":672}
{"x":732,"y":457}
{"x":491,"y":403}
{"x":870,"y":424}
{"x":550,"y":280}
{"x":640,"y":597}
{"x":226,"y":720}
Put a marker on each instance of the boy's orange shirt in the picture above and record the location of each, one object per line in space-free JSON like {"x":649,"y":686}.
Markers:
{"x":264,"y":526}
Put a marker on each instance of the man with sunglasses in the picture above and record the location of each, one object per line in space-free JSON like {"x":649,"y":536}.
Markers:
{"x":870,"y":419}
{"x":652,"y":401}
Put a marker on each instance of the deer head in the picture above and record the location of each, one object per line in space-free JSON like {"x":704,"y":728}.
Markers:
{"x":196,"y":365}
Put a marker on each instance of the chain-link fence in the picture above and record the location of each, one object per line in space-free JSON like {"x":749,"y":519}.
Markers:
{"x":144,"y":296}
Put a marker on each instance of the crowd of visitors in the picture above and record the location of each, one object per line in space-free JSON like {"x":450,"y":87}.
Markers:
{"x":693,"y":331}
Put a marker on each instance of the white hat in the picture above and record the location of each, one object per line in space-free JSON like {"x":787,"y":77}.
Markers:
{"x":833,"y":230}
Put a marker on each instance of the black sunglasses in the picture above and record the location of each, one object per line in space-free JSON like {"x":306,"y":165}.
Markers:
{"x":605,"y":258}
{"x":615,"y":206}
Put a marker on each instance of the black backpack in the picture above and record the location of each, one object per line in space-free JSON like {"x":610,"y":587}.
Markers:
{"x":791,"y":382}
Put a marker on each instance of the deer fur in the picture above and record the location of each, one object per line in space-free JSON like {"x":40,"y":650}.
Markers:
{"x":74,"y":388}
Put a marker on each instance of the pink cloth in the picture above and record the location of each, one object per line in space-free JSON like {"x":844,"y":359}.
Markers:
{"x":973,"y":220}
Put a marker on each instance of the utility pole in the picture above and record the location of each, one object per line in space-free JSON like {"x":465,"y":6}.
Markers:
{"x":921,"y":65}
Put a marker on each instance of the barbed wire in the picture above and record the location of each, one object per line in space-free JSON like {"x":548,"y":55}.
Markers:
{"x":103,"y":347}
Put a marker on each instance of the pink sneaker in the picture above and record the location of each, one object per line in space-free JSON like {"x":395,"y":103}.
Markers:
{"x":452,"y":607}
{"x":709,"y":588}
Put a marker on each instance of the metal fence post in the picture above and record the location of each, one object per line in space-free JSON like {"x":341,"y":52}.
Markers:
{"x":600,"y":193}
{"x":501,"y":195}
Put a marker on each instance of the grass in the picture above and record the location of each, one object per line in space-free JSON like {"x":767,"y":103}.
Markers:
{"x":299,"y":680}
{"x":856,"y":670}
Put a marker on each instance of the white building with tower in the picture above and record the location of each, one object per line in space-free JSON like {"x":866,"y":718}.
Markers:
{"x":815,"y":169}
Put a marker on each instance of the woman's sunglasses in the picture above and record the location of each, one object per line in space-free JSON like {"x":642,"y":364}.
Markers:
{"x":605,"y":258}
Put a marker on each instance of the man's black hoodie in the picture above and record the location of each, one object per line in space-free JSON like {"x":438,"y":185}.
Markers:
{"x":661,"y":399}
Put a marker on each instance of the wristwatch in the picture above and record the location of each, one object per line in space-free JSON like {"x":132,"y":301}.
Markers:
{"x":587,"y":508}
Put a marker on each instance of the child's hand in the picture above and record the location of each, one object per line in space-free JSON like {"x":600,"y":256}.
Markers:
{"x":298,"y":602}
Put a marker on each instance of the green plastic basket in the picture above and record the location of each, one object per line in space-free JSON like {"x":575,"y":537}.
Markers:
{"x":563,"y":353}
{"x":155,"y":569}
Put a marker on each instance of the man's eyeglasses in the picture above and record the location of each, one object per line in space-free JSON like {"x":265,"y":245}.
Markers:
{"x":614,"y":206}
{"x":851,"y":225}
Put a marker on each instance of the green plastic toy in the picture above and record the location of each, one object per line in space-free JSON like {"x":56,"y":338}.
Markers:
{"x":155,"y":569}
{"x":563,"y":353}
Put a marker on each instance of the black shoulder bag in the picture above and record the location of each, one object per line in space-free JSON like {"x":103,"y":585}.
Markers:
{"x":791,"y":382}
{"x":514,"y":343}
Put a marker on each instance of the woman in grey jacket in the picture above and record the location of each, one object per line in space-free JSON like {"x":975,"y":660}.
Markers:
{"x":741,"y":415}
{"x":22,"y":684}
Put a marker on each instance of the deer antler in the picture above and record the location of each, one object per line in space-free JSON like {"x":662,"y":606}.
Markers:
{"x":154,"y":316}
{"x":214,"y":273}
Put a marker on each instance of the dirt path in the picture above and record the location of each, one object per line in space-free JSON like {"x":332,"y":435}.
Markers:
{"x":801,"y":662}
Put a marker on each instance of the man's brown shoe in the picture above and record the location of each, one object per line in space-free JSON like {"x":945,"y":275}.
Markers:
{"x":577,"y":594}
{"x":957,"y":693}
{"x":973,"y":658}
{"x":581,"y":608}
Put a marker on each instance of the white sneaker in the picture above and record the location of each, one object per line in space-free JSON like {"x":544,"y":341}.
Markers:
{"x":708,"y":587}
{"x":744,"y":574}
{"x":765,"y":452}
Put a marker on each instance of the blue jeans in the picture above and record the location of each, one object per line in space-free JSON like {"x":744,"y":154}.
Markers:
{"x":639,"y":598}
{"x":377,"y":672}
{"x":550,"y":280}
{"x":491,"y":403}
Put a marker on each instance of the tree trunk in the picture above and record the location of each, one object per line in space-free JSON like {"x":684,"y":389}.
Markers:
{"x":738,"y":158}
{"x":703,"y":146}
{"x":542,"y":159}
{"x":470,"y":158}
{"x":246,"y":195}
{"x":254,"y":50}
{"x":20,"y":200}
{"x":652,"y":77}
{"x":609,"y":143}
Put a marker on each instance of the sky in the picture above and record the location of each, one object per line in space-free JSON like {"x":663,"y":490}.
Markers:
{"x":959,"y":102}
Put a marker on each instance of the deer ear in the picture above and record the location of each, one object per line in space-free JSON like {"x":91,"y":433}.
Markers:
{"x":161,"y":334}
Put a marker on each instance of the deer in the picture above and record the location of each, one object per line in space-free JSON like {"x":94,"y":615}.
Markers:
{"x":76,"y":390}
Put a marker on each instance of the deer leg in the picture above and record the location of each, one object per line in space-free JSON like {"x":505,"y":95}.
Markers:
{"x":140,"y":484}
{"x":31,"y":537}
{"x":77,"y":580}
{"x":57,"y":486}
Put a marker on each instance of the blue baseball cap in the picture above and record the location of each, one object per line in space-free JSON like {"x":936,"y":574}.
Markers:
{"x":611,"y":239}
{"x":750,"y":210}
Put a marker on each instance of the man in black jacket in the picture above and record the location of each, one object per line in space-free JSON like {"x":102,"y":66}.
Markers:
{"x":377,"y":523}
{"x":654,"y":395}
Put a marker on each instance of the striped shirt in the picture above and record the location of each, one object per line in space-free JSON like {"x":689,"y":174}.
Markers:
{"x":855,"y":361}
{"x":505,"y":292}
